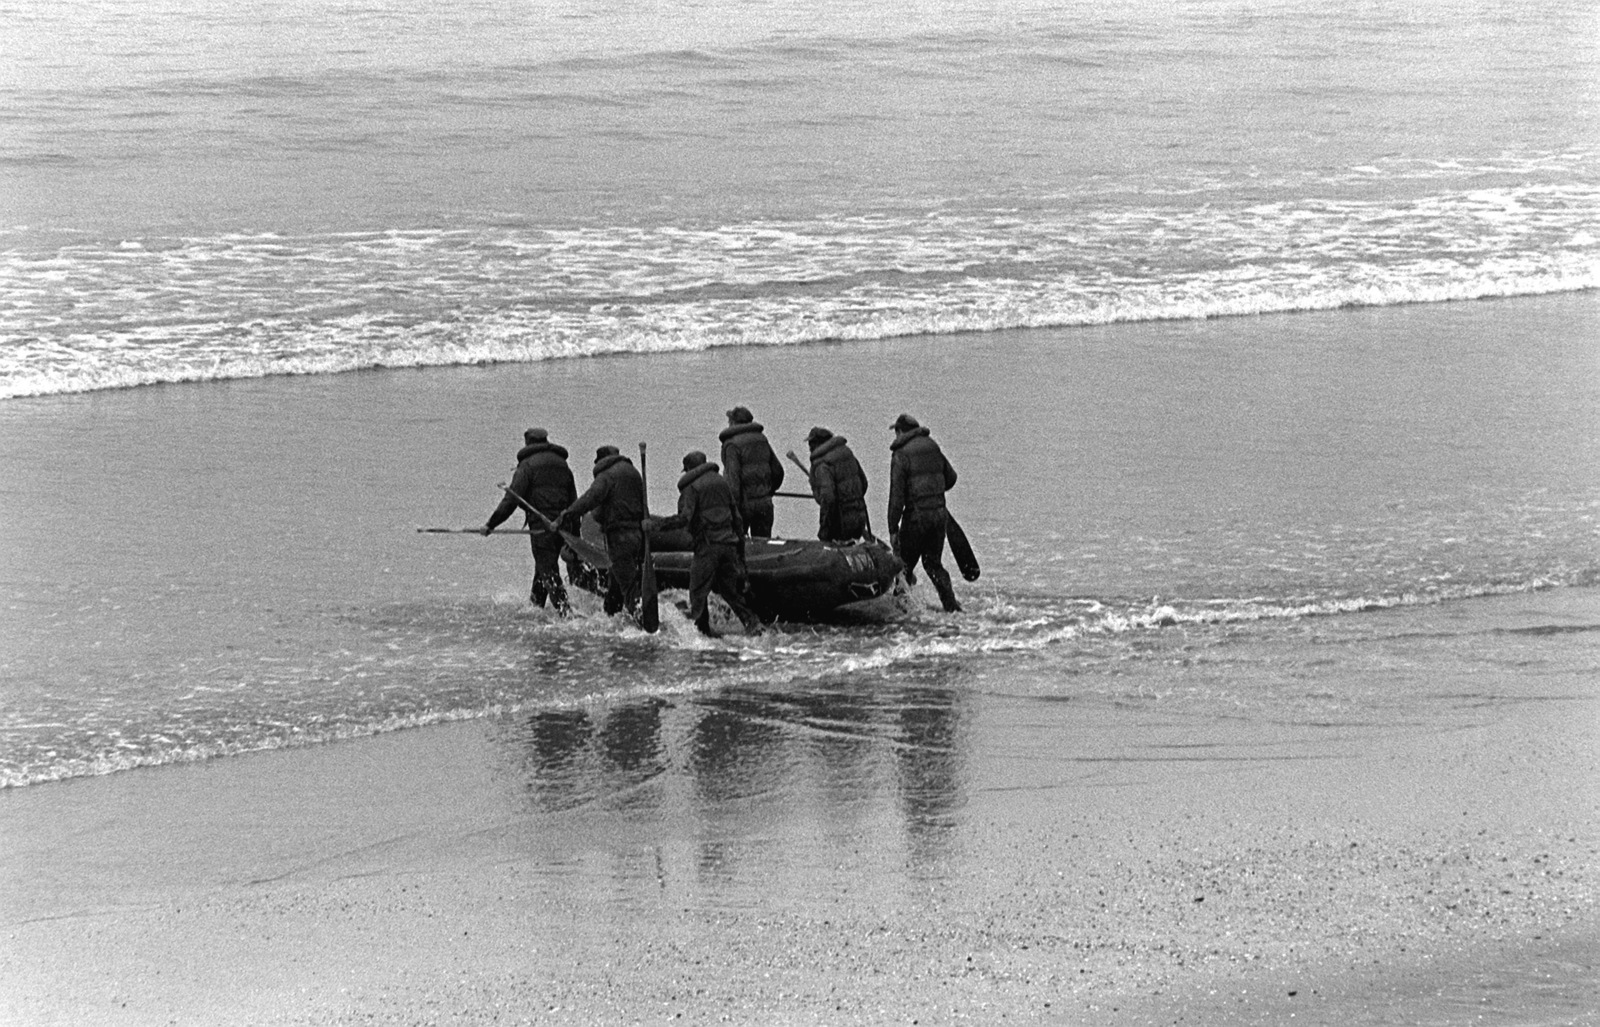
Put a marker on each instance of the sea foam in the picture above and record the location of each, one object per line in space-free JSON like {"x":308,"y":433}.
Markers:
{"x":81,"y":314}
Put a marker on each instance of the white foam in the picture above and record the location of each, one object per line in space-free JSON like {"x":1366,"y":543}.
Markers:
{"x":85,"y":316}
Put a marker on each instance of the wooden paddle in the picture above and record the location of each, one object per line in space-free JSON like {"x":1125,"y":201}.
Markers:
{"x":472,"y":531}
{"x":591,"y":555}
{"x":960,"y":548}
{"x":649,"y":603}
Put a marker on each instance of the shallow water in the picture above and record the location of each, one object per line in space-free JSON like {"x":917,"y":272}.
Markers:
{"x":237,"y":565}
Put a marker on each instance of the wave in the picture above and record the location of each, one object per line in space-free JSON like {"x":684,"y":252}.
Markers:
{"x":167,"y":354}
{"x":98,"y":764}
{"x":79,"y":315}
{"x":1024,"y":624}
{"x":887,"y":637}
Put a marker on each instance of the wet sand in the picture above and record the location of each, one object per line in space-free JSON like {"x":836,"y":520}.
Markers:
{"x":829,"y":854}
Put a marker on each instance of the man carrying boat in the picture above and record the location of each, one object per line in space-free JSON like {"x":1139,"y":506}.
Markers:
{"x":707,"y":508}
{"x":617,"y":497}
{"x":919,"y":476}
{"x":840,"y":487}
{"x":543,"y":481}
{"x":752,"y":470}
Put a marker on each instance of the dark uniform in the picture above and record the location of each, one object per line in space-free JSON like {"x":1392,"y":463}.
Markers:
{"x":544,"y":481}
{"x":707,"y":509}
{"x":617,"y":497}
{"x":840,"y":487}
{"x":919,"y":475}
{"x":752,"y":470}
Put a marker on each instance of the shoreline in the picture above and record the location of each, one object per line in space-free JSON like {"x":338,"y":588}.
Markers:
{"x":961,"y":855}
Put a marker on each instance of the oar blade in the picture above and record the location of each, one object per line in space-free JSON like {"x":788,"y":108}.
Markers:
{"x":590,"y":554}
{"x":649,"y":602}
{"x":960,"y":548}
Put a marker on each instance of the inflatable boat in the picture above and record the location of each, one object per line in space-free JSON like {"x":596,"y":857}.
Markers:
{"x":795,"y":579}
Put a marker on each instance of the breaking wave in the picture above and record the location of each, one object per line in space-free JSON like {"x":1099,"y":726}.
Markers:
{"x":79,"y":315}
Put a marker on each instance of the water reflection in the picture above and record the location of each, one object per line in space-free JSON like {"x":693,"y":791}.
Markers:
{"x":737,"y":762}
{"x":734,"y":751}
{"x":748,"y":773}
{"x":630,"y":737}
{"x":929,"y":765}
{"x":557,"y":742}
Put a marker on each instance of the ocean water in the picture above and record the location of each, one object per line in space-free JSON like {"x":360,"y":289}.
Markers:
{"x":1263,"y":336}
{"x":202,"y":192}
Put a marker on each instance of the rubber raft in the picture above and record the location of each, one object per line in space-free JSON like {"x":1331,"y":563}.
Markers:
{"x":799,"y":579}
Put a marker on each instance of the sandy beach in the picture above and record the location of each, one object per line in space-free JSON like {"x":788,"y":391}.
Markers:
{"x":942,"y":854}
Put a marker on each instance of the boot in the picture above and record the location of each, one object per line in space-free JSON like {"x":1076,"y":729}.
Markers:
{"x":910,"y":565}
{"x":554,"y":591}
{"x":587,"y":578}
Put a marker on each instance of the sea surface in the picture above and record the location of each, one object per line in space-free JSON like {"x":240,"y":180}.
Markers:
{"x":1265,"y":338}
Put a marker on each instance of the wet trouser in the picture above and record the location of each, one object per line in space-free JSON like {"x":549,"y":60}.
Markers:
{"x":758,"y":517}
{"x":922,"y":538}
{"x":717,"y":568}
{"x":547,"y":572}
{"x":582,"y":575}
{"x":626,"y":548}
